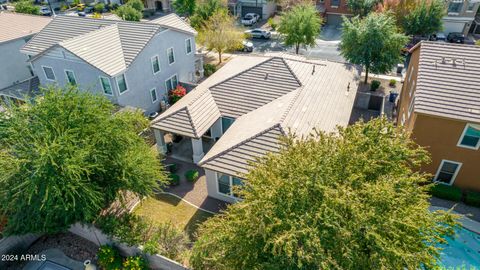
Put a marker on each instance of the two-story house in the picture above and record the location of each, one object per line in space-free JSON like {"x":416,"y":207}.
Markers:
{"x":132,"y":63}
{"x":15,"y":71}
{"x":460,"y":15}
{"x":440,"y":105}
{"x":246,"y":106}
{"x":264,"y":8}
{"x":333,"y":10}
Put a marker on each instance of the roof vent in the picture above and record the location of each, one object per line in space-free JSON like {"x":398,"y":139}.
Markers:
{"x":313,"y":69}
{"x":266,"y":76}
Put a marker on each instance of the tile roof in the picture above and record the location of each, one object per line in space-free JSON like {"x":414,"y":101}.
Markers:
{"x":172,"y":20}
{"x":448,"y":83}
{"x":22,"y":90}
{"x":131,"y":36}
{"x":16,"y":25}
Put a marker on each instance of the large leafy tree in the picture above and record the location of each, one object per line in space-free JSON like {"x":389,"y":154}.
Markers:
{"x":425,"y":18}
{"x":220,"y":33}
{"x":399,"y":8}
{"x":346,"y":201}
{"x":186,"y":7}
{"x":373,"y":42}
{"x":27,"y":7}
{"x":362,"y":7}
{"x":65,"y":156}
{"x":129,"y":13}
{"x":204,"y":10}
{"x":300,"y":26}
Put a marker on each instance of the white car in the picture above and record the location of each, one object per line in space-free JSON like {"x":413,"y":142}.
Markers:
{"x":45,"y":11}
{"x":259,"y":33}
{"x":250,"y":19}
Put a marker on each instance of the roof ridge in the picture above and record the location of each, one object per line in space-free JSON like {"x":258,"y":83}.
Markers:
{"x":289,"y":69}
{"x":290,"y":105}
{"x":277,"y":125}
{"x":195,"y":133}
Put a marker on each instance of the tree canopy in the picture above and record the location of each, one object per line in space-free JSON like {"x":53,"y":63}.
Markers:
{"x":346,"y":201}
{"x":425,"y":18}
{"x":27,"y":7}
{"x":186,"y":7}
{"x":65,"y":156}
{"x":204,"y":10}
{"x":221,"y":34}
{"x":362,"y":7}
{"x":300,"y":26}
{"x":373,"y":42}
{"x":136,"y":4}
{"x":128,"y":13}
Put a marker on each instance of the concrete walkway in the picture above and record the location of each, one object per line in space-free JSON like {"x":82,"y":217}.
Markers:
{"x":459,"y":207}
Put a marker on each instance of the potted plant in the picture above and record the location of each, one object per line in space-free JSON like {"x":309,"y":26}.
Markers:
{"x":392,"y":82}
{"x":374,"y":85}
{"x":176,"y":94}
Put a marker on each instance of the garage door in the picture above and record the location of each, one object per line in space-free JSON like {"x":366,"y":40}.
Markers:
{"x":334,"y":19}
{"x":247,"y":9}
{"x":449,"y":27}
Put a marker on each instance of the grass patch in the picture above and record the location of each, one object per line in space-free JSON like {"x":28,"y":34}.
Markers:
{"x":167,"y":208}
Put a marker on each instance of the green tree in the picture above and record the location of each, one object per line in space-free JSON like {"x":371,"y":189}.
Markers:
{"x":425,"y":18}
{"x":128,"y":13}
{"x":27,"y":7}
{"x":220,"y":34}
{"x":64,"y":157}
{"x":99,"y":7}
{"x":185,"y":6}
{"x":330,"y":201}
{"x":136,"y":4}
{"x":362,"y":7}
{"x":204,"y":10}
{"x":373,"y":42}
{"x":300,"y":26}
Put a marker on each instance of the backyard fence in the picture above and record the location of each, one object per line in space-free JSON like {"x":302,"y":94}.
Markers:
{"x":95,"y":235}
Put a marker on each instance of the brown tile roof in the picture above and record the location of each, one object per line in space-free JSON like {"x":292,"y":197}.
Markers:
{"x":16,"y":25}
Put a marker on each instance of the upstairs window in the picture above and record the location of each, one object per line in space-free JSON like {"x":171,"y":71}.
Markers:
{"x":455,"y":7}
{"x":335,"y":3}
{"x":71,"y":77}
{"x":155,"y":64}
{"x":447,"y":172}
{"x":171,"y":56}
{"x":188,"y":45}
{"x":121,"y":83}
{"x":49,"y":74}
{"x":106,"y":86}
{"x":470,"y":137}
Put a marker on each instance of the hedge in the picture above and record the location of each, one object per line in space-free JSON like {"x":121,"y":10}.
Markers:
{"x":191,"y":175}
{"x":472,"y":198}
{"x":446,"y":192}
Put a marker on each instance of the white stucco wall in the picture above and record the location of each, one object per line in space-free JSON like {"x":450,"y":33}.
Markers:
{"x":212,"y":187}
{"x":268,"y":9}
{"x":13,"y":64}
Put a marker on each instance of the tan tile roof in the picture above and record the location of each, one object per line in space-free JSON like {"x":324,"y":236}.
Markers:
{"x":14,"y":25}
{"x":448,"y":83}
{"x":172,"y":20}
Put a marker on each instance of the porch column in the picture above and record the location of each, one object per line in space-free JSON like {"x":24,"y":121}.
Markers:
{"x":160,"y":139}
{"x":197,"y":148}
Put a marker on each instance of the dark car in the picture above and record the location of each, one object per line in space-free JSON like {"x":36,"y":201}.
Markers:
{"x":456,"y":37}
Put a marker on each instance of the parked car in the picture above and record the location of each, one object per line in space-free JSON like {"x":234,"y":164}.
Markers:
{"x":82,"y":14}
{"x":259,"y":33}
{"x":250,"y":19}
{"x":247,"y":46}
{"x":45,"y":11}
{"x":456,"y":37}
{"x":438,"y":37}
{"x":89,"y":10}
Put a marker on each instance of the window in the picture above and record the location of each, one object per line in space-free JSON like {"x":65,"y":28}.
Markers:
{"x":49,"y":74}
{"x":106,"y":86}
{"x":470,"y":7}
{"x":171,"y":56}
{"x":447,"y":172}
{"x":335,"y":3}
{"x":226,"y":123}
{"x":153,"y":94}
{"x":412,"y":86}
{"x":155,"y":64}
{"x":171,"y":83}
{"x":455,"y":7}
{"x":226,"y":184}
{"x":470,"y":137}
{"x":121,"y":83}
{"x":71,"y":77}
{"x":410,"y":107}
{"x":188,"y":45}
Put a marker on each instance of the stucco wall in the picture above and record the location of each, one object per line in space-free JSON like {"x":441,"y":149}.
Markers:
{"x":405,"y":97}
{"x":13,"y":64}
{"x":212,"y":187}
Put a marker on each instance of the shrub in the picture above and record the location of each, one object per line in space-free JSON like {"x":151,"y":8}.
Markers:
{"x":477,"y":42}
{"x":136,"y":4}
{"x":375,"y":85}
{"x":446,"y":192}
{"x":174,"y":179}
{"x":99,"y":7}
{"x":128,"y":13}
{"x":27,"y":7}
{"x":191,"y":175}
{"x":167,"y":240}
{"x":273,"y":24}
{"x":392,"y":82}
{"x":109,"y":258}
{"x":135,"y":263}
{"x":176,"y":94}
{"x":209,"y":69}
{"x":472,"y":198}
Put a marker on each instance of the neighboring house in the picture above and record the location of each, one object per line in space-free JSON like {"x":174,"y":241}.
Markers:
{"x":248,"y":104}
{"x":333,"y":10}
{"x":132,"y":63}
{"x":17,"y":29}
{"x":440,"y":106}
{"x":159,"y":5}
{"x":460,"y":15}
{"x":264,"y":8}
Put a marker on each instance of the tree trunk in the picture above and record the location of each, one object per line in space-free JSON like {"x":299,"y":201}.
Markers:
{"x":366,"y":74}
{"x":297,"y":47}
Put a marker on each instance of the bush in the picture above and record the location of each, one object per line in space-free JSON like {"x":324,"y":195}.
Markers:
{"x":167,"y":240}
{"x":128,"y":13}
{"x":392,"y":82}
{"x":375,"y":85}
{"x":109,"y":258}
{"x":446,"y":192}
{"x":273,"y":24}
{"x":27,"y":7}
{"x":209,"y":69}
{"x":174,"y":179}
{"x":135,"y":263}
{"x":99,"y":7}
{"x":136,"y":4}
{"x":477,"y":42}
{"x":176,"y":94}
{"x":472,"y":198}
{"x":191,"y":175}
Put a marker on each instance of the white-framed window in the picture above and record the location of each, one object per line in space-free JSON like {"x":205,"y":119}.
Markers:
{"x":410,"y":107}
{"x":455,"y":7}
{"x":188,"y":45}
{"x":411,"y":74}
{"x":49,"y":74}
{"x":121,"y":83}
{"x":170,"y":56}
{"x":470,"y":137}
{"x":155,"y":64}
{"x":447,"y":172}
{"x":412,"y":86}
{"x":153,"y":95}
{"x":106,"y":85}
{"x":225,"y":184}
{"x":71,"y":77}
{"x":171,"y":83}
{"x":471,"y":6}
